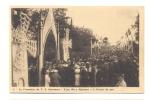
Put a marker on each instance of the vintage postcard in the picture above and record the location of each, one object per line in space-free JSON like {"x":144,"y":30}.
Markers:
{"x":77,"y":49}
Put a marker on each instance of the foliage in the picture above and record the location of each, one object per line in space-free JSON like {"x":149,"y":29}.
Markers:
{"x":61,"y":20}
{"x":81,"y":42}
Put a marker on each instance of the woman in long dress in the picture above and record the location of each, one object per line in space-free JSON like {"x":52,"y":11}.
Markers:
{"x":77,"y":75}
{"x":121,"y":82}
{"x":47,"y":78}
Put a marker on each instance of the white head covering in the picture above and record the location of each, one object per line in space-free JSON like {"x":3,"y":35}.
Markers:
{"x":55,"y":71}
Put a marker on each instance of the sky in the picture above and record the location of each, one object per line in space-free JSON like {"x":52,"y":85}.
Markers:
{"x":112,"y":22}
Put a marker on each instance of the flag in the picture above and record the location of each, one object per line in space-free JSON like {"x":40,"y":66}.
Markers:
{"x":126,"y":34}
{"x":129,"y":31}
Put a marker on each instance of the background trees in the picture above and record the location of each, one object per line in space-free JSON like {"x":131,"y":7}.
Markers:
{"x":81,"y":42}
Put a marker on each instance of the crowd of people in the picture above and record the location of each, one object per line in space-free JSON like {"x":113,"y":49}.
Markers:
{"x":103,"y":71}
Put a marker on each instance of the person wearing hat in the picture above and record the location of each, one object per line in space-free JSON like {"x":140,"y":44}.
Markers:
{"x":121,"y":81}
{"x":55,"y":78}
{"x":84,"y":76}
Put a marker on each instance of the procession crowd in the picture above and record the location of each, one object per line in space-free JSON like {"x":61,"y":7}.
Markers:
{"x":103,"y":71}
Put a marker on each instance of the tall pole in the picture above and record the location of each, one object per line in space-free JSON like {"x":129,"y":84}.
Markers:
{"x":91,"y":47}
{"x":58,"y":43}
{"x":41,"y":50}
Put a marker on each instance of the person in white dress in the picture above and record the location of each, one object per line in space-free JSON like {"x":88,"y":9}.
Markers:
{"x":77,"y":75}
{"x":121,"y":81}
{"x":47,"y":78}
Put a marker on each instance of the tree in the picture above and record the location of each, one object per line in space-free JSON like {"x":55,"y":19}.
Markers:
{"x":137,"y":27}
{"x":61,"y":20}
{"x":81,"y":42}
{"x":136,"y":42}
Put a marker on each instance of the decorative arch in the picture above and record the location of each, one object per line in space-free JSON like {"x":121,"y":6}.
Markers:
{"x":48,"y":26}
{"x":46,"y":36}
{"x":50,"y":47}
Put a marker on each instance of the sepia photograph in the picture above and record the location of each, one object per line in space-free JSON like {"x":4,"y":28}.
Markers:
{"x":77,"y":49}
